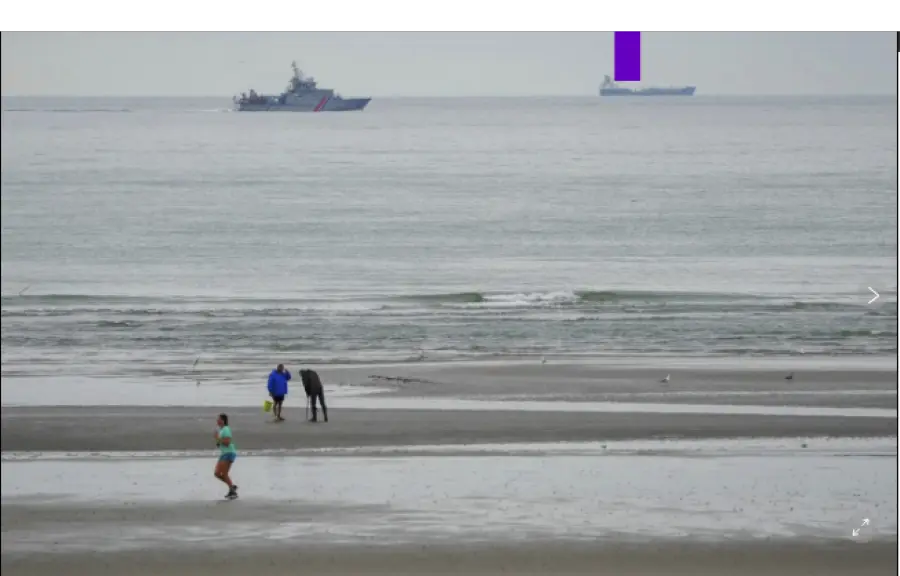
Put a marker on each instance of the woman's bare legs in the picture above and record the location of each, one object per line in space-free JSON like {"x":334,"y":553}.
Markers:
{"x":223,"y":467}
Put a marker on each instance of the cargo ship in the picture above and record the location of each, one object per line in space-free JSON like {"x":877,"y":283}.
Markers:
{"x":610,"y":88}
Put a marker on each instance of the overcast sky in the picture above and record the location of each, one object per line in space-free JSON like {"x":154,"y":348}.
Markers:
{"x":441,"y":64}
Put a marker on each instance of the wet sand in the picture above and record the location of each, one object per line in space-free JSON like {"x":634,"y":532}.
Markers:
{"x":171,"y":428}
{"x":781,"y":512}
{"x":815,"y":382}
{"x":613,"y":492}
{"x":822,"y":382}
{"x":739,"y":559}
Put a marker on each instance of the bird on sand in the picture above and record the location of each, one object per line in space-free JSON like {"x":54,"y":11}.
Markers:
{"x":789,"y":376}
{"x":543,"y":360}
{"x":665,"y":380}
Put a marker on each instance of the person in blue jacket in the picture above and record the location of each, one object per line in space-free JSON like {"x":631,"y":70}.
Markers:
{"x":278,"y":389}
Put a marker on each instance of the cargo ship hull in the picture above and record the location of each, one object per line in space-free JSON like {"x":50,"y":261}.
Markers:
{"x":610,"y":88}
{"x":685,"y":91}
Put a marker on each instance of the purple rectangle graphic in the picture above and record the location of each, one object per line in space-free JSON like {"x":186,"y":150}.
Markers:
{"x":628,"y":57}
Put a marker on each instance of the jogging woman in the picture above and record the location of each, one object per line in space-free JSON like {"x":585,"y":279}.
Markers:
{"x":227,"y":455}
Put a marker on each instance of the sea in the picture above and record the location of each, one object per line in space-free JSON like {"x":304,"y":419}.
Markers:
{"x":141,"y":233}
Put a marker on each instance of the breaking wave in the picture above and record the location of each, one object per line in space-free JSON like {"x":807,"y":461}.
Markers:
{"x":518,"y":298}
{"x":350,"y":328}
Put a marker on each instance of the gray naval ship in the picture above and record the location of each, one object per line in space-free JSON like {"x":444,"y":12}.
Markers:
{"x":301,"y":95}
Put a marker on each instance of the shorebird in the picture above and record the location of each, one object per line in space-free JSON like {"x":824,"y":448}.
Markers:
{"x":543,"y":360}
{"x":665,"y":380}
{"x":789,"y":376}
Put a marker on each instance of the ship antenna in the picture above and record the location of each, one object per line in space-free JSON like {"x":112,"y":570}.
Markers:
{"x":297,"y":73}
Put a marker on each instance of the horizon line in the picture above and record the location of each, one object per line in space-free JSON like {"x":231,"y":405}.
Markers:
{"x":399,"y":96}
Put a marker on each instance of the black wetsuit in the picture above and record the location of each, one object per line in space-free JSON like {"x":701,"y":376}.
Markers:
{"x":313,"y":387}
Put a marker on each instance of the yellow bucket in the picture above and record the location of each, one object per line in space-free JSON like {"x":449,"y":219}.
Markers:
{"x":267,"y":406}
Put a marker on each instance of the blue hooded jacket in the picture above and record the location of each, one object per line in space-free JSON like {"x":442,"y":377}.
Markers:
{"x":278,"y":383}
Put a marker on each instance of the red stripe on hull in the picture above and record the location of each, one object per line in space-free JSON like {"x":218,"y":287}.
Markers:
{"x":321,"y":104}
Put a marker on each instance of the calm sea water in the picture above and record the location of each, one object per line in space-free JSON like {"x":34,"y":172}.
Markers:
{"x":155,"y":230}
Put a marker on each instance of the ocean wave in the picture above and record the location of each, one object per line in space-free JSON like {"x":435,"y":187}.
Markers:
{"x":569,"y":297}
{"x":497,"y":298}
{"x":608,"y":308}
{"x":460,"y":331}
{"x":452,"y":324}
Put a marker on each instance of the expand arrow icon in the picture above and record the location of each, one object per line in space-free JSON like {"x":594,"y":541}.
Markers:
{"x":856,"y":531}
{"x":877,"y":295}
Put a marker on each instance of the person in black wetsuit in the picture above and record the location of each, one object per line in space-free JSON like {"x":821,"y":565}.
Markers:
{"x":313,"y":387}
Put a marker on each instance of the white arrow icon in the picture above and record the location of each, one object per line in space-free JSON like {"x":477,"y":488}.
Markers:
{"x":877,"y":295}
{"x":856,"y":531}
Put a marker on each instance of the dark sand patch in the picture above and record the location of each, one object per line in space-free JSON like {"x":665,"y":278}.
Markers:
{"x":570,"y":381}
{"x":773,"y":558}
{"x":172,"y":428}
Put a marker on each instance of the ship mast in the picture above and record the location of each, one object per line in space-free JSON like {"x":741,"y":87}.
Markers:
{"x":298,"y":81}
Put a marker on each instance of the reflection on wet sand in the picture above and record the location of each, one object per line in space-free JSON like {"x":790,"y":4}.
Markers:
{"x":653,"y":492}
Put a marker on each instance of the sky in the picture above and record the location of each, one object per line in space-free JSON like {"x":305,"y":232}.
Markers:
{"x":440,"y":64}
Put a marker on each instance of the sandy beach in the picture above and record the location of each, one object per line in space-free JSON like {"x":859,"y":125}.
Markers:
{"x":828,"y":558}
{"x":462,"y":469}
{"x":171,"y":428}
{"x":817,"y":382}
{"x":647,"y":507}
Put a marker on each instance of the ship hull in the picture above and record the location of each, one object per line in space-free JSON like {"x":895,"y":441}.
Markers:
{"x":306,"y":105}
{"x":685,"y":91}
